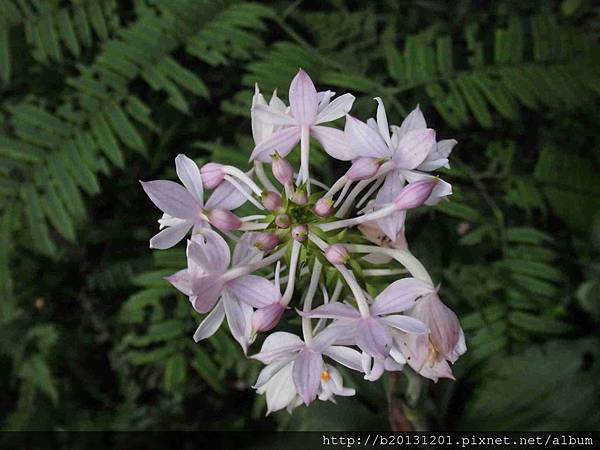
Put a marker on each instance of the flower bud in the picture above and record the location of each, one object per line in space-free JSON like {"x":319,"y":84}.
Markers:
{"x":271,"y":200}
{"x":224,"y":220}
{"x":299,"y":232}
{"x":212,"y":174}
{"x":299,"y":197}
{"x":266,"y":241}
{"x":265,"y":318}
{"x":414,"y":194}
{"x":363,"y":168}
{"x":337,"y":254}
{"x":282,"y":170}
{"x":282,"y":220}
{"x":324,"y":207}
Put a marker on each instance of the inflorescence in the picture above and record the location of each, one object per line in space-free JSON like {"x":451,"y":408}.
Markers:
{"x":304,"y":231}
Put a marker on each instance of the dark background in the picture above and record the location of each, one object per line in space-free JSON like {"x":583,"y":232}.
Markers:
{"x":95,"y":95}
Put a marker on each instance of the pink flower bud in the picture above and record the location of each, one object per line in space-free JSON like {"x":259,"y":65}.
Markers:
{"x":414,"y":194}
{"x":282,"y":220}
{"x":299,"y":197}
{"x":300,"y":233}
{"x":282,"y":170}
{"x":265,"y":319}
{"x":337,"y":254}
{"x":324,"y":207}
{"x":363,"y":168}
{"x":212,"y":175}
{"x":266,"y":241}
{"x":271,"y":201}
{"x":224,"y":220}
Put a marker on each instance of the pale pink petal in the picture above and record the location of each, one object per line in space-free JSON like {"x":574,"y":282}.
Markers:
{"x":209,"y":251}
{"x":206,"y":289}
{"x":267,"y":317}
{"x":271,"y":115}
{"x":373,"y":337}
{"x":303,"y":99}
{"x":345,"y":356}
{"x":276,"y":103}
{"x":376,"y":370}
{"x":382,"y":122}
{"x":406,"y":323}
{"x":245,"y":250}
{"x":439,"y":156}
{"x":182,"y":281}
{"x":324,"y":98}
{"x":333,"y":142}
{"x":441,"y":189}
{"x":254,"y":290}
{"x":414,"y":121}
{"x":328,"y":336}
{"x":307,"y":374}
{"x":173,"y":199}
{"x":211,"y":323}
{"x":189,"y":174}
{"x":400,"y":296}
{"x":279,"y":390}
{"x":282,"y":142}
{"x":459,"y":349}
{"x":333,"y":311}
{"x":389,"y":190}
{"x":415,"y":194}
{"x":270,"y":370}
{"x":278,"y":345}
{"x":413,"y":148}
{"x":170,"y":236}
{"x":239,"y":319}
{"x":391,"y":365}
{"x":227,"y":196}
{"x":363,"y":140}
{"x":336,"y":109}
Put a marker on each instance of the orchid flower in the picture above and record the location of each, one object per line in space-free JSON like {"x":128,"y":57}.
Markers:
{"x":295,"y":369}
{"x":429,"y":354}
{"x":305,"y":117}
{"x":208,"y":278}
{"x":184,"y":207}
{"x":372,"y":329}
{"x":299,"y":233}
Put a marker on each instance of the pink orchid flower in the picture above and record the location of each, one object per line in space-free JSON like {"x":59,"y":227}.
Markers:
{"x":372,"y":333}
{"x":411,"y":148}
{"x":308,"y":109}
{"x":295,"y":371}
{"x":184,"y":206}
{"x":429,"y":354}
{"x":208,"y":279}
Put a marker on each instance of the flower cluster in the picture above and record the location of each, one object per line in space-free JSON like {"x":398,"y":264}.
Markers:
{"x":313,"y":248}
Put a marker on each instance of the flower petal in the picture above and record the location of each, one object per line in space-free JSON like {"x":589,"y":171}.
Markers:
{"x":227,"y":196}
{"x":400,"y":296}
{"x":282,"y":142}
{"x":211,"y":323}
{"x":278,"y":345}
{"x":239,"y":319}
{"x":207,"y":251}
{"x":441,"y":189}
{"x":307,"y":374}
{"x":303,"y":99}
{"x":336,"y":109}
{"x":414,"y":121}
{"x":254,"y":290}
{"x":270,"y":370}
{"x":280,"y":389}
{"x":364,"y":140}
{"x":373,"y":337}
{"x":333,"y":311}
{"x":439,"y":156}
{"x":333,"y":142}
{"x":328,"y":336}
{"x":206,"y":292}
{"x":413,"y":148}
{"x":376,"y":370}
{"x":182,"y":281}
{"x":245,"y":250}
{"x":170,"y":236}
{"x":271,"y":115}
{"x":406,"y":323}
{"x":382,"y":122}
{"x":173,"y":199}
{"x":345,"y":356}
{"x":189,"y":174}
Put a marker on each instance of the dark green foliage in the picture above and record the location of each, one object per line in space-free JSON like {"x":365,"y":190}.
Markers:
{"x":95,"y":95}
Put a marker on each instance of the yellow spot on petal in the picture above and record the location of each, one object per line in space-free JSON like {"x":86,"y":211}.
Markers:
{"x":325,"y":376}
